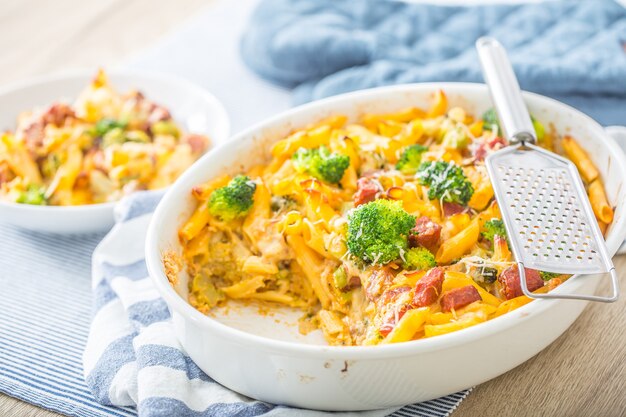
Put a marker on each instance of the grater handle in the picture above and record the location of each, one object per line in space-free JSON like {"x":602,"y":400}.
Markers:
{"x":505,"y":91}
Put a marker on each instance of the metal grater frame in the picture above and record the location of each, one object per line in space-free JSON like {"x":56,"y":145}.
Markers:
{"x":547,"y":215}
{"x":544,"y":205}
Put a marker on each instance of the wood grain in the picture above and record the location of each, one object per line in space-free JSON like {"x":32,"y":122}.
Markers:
{"x":40,"y":36}
{"x":582,"y":373}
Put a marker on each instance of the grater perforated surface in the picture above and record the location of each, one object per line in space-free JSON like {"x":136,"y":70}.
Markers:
{"x":545,"y":206}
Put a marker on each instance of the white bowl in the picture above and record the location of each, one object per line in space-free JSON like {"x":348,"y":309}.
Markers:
{"x":195,"y":109}
{"x":268,"y":360}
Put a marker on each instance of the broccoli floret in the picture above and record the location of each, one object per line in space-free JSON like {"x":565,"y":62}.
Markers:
{"x":491,"y":122}
{"x":547,"y":276}
{"x":489,"y":274}
{"x":378,"y":231}
{"x":410,"y":159}
{"x":34,"y":194}
{"x":234,"y":200}
{"x":419,"y":259}
{"x":282,"y":203}
{"x":105,"y":125}
{"x":446,"y":181}
{"x":455,"y":138}
{"x":321,"y":164}
{"x":494,"y":227}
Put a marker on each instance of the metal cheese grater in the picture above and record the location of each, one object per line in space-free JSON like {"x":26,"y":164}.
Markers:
{"x":544,"y":206}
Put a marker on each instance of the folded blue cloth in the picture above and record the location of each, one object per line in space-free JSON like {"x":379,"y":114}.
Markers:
{"x":572,"y":50}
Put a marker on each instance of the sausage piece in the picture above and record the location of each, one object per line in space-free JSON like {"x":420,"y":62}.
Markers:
{"x":57,"y":114}
{"x":34,"y":131}
{"x":34,"y":135}
{"x":459,"y":297}
{"x":481,"y":150}
{"x":198,"y":143}
{"x":496,"y":143}
{"x":428,"y":288}
{"x":366,"y":191}
{"x":511,"y":285}
{"x":425,"y":233}
{"x":450,"y":209}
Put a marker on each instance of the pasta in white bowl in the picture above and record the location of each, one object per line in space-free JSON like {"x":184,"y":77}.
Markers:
{"x":83,"y":140}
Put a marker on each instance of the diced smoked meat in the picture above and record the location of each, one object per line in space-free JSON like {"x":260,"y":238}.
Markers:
{"x":510,"y":281}
{"x":57,"y":114}
{"x":198,"y":143}
{"x":426,"y":292}
{"x":353,"y":282}
{"x":459,"y":297}
{"x":34,"y":135}
{"x":366,"y":191}
{"x":428,"y":288}
{"x":425,"y":233}
{"x":34,"y":132}
{"x":450,"y":209}
{"x":480,"y":150}
{"x":496,"y":143}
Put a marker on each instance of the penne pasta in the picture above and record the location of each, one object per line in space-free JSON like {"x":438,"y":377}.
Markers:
{"x":440,"y":105}
{"x":380,"y":231}
{"x":97,"y":149}
{"x":18,"y":159}
{"x":411,"y":323}
{"x":310,"y":263}
{"x":580,"y":158}
{"x":198,"y":220}
{"x":255,"y":223}
{"x":599,"y":202}
{"x":431,"y":330}
{"x":258,"y":265}
{"x":459,"y":244}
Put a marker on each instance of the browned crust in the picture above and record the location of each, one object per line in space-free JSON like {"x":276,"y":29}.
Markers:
{"x":172,"y":264}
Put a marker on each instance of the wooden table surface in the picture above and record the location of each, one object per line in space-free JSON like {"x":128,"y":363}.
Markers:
{"x":582,"y":373}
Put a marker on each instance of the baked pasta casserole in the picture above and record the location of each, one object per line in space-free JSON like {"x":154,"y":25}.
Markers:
{"x":380,"y":231}
{"x":103,"y":146}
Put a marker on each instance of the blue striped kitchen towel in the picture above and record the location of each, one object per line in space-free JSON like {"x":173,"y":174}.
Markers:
{"x":45,"y":312}
{"x":571,"y":50}
{"x":132,"y":357}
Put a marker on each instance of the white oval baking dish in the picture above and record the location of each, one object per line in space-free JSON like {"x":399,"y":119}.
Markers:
{"x":264,"y":357}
